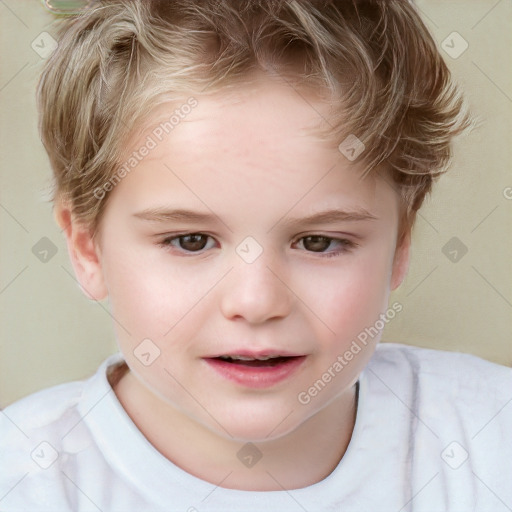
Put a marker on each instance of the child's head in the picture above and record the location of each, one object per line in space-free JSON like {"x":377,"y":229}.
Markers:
{"x":234,"y":111}
{"x":374,"y":60}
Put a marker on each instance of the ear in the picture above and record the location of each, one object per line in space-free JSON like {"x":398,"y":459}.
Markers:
{"x":401,"y":261}
{"x":83,"y":252}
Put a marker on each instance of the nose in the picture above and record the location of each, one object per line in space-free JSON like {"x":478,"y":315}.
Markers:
{"x":256,"y":292}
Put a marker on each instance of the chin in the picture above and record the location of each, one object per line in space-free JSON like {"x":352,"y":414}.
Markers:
{"x":258,"y":426}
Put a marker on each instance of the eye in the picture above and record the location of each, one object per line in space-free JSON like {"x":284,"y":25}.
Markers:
{"x":189,"y":242}
{"x":320,"y":244}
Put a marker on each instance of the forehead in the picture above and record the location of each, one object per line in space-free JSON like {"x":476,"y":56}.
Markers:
{"x":252,"y":145}
{"x":264,"y":125}
{"x":269,"y":108}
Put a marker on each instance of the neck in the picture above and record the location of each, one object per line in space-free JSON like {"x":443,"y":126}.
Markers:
{"x":301,"y":458}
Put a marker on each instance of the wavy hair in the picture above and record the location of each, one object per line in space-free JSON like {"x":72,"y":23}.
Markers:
{"x":375,"y":60}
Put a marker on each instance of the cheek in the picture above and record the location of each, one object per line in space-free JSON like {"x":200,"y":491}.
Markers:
{"x":350,"y":298}
{"x":153,"y":298}
{"x":144,"y":296}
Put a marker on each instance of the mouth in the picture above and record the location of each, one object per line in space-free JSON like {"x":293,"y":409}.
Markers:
{"x":260,"y":370}
{"x":260,"y":361}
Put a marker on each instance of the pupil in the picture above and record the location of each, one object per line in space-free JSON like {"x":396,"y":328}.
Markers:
{"x":193,"y":242}
{"x":320,"y":243}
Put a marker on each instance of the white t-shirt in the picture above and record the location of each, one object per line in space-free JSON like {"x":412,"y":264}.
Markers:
{"x":432,"y":433}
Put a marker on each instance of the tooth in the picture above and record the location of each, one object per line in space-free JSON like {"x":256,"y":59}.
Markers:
{"x":245,"y":358}
{"x":238,"y":358}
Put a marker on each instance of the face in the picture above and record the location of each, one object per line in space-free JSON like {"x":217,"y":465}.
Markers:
{"x":206,"y":251}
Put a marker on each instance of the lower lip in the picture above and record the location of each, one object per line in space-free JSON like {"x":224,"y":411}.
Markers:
{"x":256,"y":376}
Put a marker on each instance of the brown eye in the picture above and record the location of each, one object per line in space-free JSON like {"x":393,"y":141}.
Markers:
{"x":321,"y":244}
{"x":317,"y":243}
{"x":190,"y":242}
{"x":193,"y":242}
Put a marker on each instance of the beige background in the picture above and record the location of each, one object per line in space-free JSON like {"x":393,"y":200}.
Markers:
{"x":51,"y":334}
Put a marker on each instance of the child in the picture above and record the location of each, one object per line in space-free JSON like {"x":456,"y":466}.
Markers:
{"x":240,"y":179}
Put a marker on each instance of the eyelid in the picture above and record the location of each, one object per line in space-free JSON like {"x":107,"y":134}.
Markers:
{"x":163,"y":237}
{"x":349,"y":238}
{"x":339,"y":235}
{"x":166,"y":244}
{"x":345,"y":242}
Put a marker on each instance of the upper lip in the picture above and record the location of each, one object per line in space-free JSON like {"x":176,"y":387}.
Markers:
{"x":256,"y":353}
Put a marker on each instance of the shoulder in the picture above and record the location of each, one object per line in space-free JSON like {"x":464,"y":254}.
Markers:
{"x":34,"y":435}
{"x":45,"y":415}
{"x":42,"y":408}
{"x":453,"y":413}
{"x":49,"y":410}
{"x":433,"y":380}
{"x":467,"y":370}
{"x":31,"y":434}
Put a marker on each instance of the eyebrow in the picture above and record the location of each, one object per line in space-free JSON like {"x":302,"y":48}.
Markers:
{"x":178,"y":215}
{"x":328,"y":217}
{"x":324,"y":217}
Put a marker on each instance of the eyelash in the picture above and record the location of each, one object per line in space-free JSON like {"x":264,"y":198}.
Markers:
{"x":346,"y":245}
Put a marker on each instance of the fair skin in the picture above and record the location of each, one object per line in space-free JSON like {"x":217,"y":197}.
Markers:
{"x":248,"y":159}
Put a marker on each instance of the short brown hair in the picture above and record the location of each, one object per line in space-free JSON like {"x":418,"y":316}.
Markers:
{"x":117,"y":60}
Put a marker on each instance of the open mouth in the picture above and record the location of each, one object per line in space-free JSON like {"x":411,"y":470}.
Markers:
{"x":257,"y":362}
{"x":256,"y":371}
